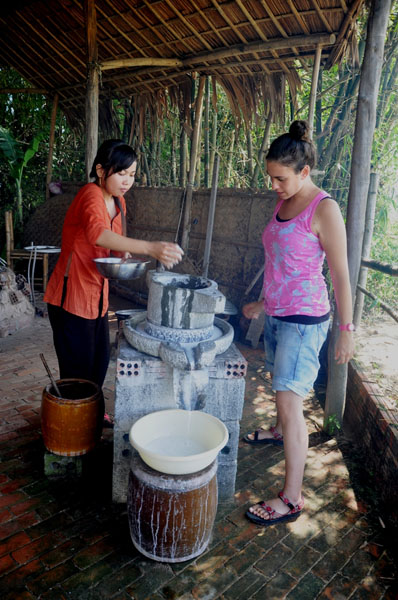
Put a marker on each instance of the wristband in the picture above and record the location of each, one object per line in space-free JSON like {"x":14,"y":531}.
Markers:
{"x":347,"y":327}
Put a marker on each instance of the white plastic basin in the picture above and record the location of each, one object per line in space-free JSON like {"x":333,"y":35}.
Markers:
{"x":178,"y":442}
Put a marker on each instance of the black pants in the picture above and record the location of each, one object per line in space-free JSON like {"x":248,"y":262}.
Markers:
{"x":82,"y":345}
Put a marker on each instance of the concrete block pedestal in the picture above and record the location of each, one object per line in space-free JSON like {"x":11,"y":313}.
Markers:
{"x":145,"y":384}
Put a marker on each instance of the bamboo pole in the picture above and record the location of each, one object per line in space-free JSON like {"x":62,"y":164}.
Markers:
{"x":388,"y":309}
{"x":250,"y":161}
{"x":92,"y":87}
{"x":382,"y":267}
{"x":261,"y":152}
{"x":210,"y":217}
{"x":229,"y":158}
{"x":124,"y":63}
{"x":183,"y":156}
{"x":207,"y":134}
{"x":325,"y":39}
{"x":191,"y":178}
{"x":51,"y":145}
{"x":262,"y":46}
{"x":359,"y":184}
{"x":9,"y":237}
{"x":314,"y":86}
{"x":366,"y":245}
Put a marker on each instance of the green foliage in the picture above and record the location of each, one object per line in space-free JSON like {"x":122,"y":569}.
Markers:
{"x":17,"y":159}
{"x":26,"y":118}
{"x":332,"y":425}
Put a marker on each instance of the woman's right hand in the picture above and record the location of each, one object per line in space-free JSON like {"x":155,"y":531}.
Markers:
{"x":167,"y":253}
{"x":253,"y":310}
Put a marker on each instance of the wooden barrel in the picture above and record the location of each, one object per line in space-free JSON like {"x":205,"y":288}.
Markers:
{"x":72,"y":425}
{"x":171,"y":516}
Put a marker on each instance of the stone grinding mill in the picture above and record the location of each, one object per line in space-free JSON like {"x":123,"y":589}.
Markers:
{"x":178,"y":355}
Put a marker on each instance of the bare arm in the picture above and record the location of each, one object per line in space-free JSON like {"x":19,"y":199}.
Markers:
{"x":253,"y":310}
{"x":329,"y":225}
{"x":167,"y":253}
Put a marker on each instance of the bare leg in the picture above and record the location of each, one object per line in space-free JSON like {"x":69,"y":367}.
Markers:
{"x":295,"y":437}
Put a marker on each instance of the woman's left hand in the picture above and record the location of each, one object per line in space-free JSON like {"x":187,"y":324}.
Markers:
{"x":344,"y":350}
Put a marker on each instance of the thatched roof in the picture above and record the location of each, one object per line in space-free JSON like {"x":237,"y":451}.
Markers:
{"x":248,"y":46}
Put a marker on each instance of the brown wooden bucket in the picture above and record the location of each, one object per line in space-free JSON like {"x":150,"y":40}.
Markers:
{"x":72,"y":425}
{"x":171,"y":516}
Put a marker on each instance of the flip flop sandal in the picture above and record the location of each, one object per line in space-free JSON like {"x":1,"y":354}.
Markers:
{"x":292,"y":515}
{"x":108,"y":421}
{"x":276,"y":440}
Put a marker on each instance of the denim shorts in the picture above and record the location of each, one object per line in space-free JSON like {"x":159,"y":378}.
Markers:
{"x":292,"y":354}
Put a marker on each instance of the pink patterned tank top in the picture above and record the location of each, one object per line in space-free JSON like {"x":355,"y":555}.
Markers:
{"x":293,"y":279}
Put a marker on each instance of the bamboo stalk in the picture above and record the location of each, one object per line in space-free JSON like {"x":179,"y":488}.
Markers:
{"x":380,"y":266}
{"x":382,"y":304}
{"x":366,"y":245}
{"x":207,"y":134}
{"x":123,"y":63}
{"x":51,"y":145}
{"x":191,"y":178}
{"x":314,"y":85}
{"x":261,"y":152}
{"x":29,"y":90}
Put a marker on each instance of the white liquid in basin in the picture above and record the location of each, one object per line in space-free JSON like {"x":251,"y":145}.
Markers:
{"x":173,"y":445}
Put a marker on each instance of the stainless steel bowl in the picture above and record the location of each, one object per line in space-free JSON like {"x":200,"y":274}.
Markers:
{"x":118,"y":268}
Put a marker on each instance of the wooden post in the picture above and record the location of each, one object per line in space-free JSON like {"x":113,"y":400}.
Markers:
{"x":192,"y":168}
{"x":51,"y":145}
{"x":92,"y":88}
{"x":367,"y":242}
{"x":359,"y":185}
{"x":314,"y":85}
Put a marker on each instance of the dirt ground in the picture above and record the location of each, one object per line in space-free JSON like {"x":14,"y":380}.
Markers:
{"x":376,"y":350}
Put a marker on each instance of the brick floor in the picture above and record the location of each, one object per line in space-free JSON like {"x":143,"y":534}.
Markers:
{"x":65,"y":539}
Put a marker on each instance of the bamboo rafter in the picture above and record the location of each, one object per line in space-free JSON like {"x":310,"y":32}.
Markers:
{"x":190,"y":37}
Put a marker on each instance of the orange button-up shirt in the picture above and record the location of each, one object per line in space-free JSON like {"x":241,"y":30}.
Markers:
{"x":86,"y":219}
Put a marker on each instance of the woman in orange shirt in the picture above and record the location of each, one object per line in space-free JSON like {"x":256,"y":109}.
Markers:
{"x":77,"y":295}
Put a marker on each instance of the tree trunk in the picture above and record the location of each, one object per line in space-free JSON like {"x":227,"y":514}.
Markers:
{"x":92,"y":91}
{"x":359,"y":184}
{"x":367,"y":243}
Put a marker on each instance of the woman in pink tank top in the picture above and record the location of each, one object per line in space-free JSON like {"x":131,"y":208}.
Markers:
{"x":306,"y":226}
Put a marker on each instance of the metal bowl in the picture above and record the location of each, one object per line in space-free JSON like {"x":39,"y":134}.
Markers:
{"x":119,"y":268}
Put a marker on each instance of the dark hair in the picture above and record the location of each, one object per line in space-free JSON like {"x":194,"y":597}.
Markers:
{"x":113,"y":156}
{"x":294,"y":149}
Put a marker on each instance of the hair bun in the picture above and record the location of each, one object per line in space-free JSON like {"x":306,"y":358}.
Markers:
{"x":299,"y":130}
